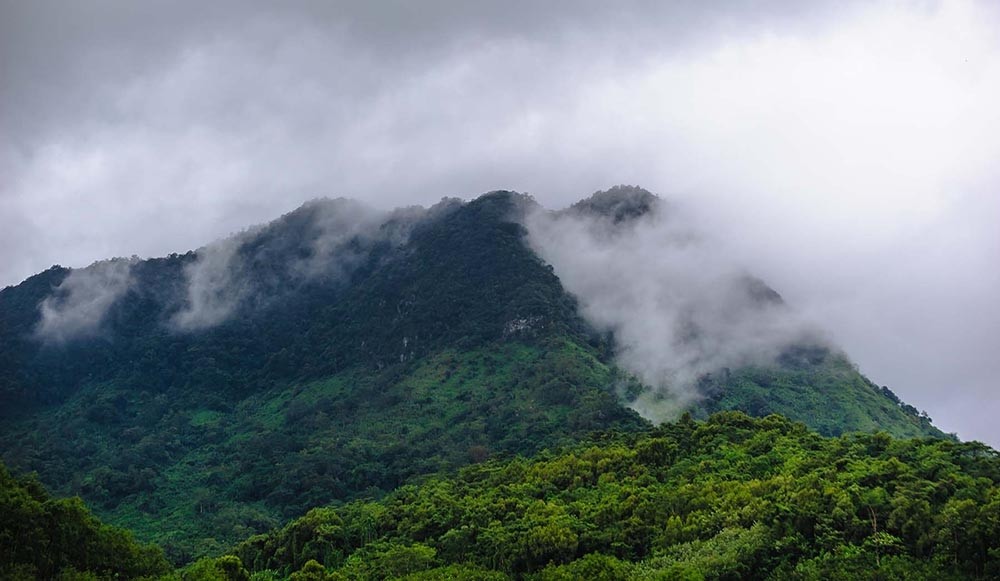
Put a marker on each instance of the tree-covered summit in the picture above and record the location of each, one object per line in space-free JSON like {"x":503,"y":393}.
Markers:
{"x":618,"y":204}
{"x":210,"y":401}
{"x":333,"y":354}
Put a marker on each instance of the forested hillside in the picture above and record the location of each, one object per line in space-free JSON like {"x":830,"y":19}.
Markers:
{"x":729,"y":498}
{"x":334,"y":354}
{"x":445,"y":347}
{"x":42,"y":537}
{"x":817,"y":386}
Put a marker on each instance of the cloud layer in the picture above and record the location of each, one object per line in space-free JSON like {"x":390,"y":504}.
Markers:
{"x":842,"y":151}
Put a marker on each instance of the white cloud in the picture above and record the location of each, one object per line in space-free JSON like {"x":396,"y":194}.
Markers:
{"x":678,"y":307}
{"x":215,"y":283}
{"x":843,"y":152}
{"x":79,"y":305}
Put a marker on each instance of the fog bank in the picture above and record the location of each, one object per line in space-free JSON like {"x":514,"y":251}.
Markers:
{"x":678,"y":305}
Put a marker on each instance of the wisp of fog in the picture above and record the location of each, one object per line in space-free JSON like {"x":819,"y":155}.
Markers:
{"x":77,"y":307}
{"x":677,"y":306}
{"x":322,"y":242}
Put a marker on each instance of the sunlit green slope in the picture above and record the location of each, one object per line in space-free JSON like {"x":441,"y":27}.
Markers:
{"x":823,"y":389}
{"x":729,"y":498}
{"x":42,"y":538}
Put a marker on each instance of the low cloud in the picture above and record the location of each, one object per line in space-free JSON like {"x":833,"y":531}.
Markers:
{"x":215,"y":285}
{"x":678,"y":306}
{"x":79,"y":305}
{"x":328,"y":238}
{"x":335,"y":225}
{"x":844,"y":150}
{"x":324,"y":241}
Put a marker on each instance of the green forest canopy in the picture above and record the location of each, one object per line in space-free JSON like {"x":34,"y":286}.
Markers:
{"x":730,"y":497}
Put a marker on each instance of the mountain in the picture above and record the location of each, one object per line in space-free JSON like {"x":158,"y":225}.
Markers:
{"x":337,"y":353}
{"x":717,"y":337}
{"x":433,"y":339}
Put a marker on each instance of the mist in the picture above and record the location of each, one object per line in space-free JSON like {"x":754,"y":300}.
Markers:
{"x":77,"y":307}
{"x":677,"y":303}
{"x":215,"y":283}
{"x":338,"y":223}
{"x":323,"y":242}
{"x":844,"y":152}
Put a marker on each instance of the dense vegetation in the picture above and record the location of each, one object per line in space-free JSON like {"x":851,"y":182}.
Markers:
{"x":197,"y":479}
{"x":731,"y":497}
{"x":43,"y":538}
{"x":431,"y":340}
{"x":336,"y":390}
{"x":819,"y":387}
{"x":461,"y":277}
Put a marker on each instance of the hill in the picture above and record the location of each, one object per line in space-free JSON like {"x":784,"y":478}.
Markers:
{"x":342,"y":367}
{"x":45,"y":538}
{"x":696,"y":330}
{"x":334,"y":354}
{"x":729,"y":498}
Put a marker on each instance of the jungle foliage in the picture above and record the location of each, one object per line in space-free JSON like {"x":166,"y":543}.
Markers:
{"x":416,"y":353}
{"x":732,"y":497}
{"x":46,"y":538}
{"x":335,"y":389}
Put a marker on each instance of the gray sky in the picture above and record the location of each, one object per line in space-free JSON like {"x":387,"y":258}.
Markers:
{"x":846,"y":152}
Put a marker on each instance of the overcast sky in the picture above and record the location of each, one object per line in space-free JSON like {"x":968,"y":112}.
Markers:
{"x":846,"y":152}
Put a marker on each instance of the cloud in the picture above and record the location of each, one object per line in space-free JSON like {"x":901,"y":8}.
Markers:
{"x":128,"y":116}
{"x":343,"y":231}
{"x":215,"y":284}
{"x":678,"y":306}
{"x":324,"y":242}
{"x":842,"y":151}
{"x":78,"y":306}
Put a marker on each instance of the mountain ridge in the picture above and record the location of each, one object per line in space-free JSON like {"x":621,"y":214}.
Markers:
{"x":334,"y":353}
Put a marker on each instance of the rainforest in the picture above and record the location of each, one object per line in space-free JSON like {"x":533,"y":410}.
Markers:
{"x":320,"y":290}
{"x":348,"y":394}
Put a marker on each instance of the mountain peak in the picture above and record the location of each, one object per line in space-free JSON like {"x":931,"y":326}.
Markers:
{"x":341,"y":349}
{"x":620,"y":203}
{"x":509,"y":205}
